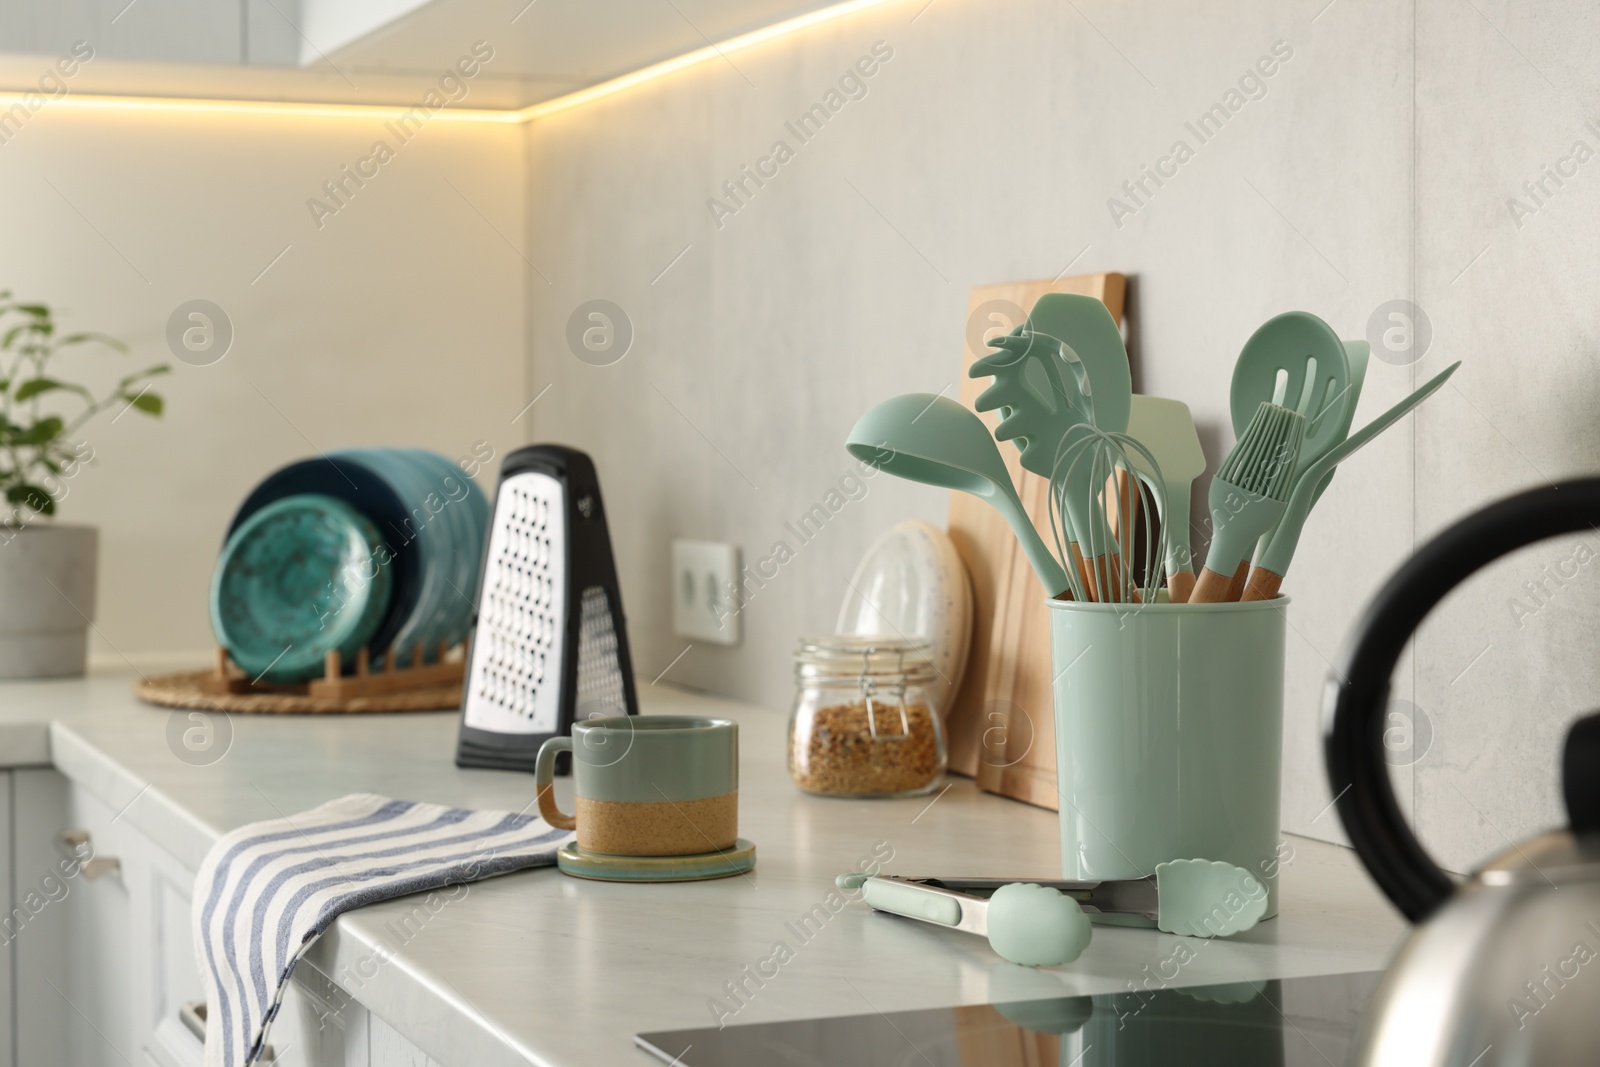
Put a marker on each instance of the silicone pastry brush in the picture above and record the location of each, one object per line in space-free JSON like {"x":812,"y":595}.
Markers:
{"x":1248,"y":497}
{"x":1198,"y":898}
{"x":1266,"y":577}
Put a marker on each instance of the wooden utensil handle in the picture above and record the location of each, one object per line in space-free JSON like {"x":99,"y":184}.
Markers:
{"x":1236,"y":587}
{"x":1214,"y":588}
{"x":1263,"y":585}
{"x":1180,"y":586}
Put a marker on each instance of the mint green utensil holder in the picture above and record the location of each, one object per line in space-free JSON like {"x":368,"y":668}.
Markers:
{"x":1169,"y":733}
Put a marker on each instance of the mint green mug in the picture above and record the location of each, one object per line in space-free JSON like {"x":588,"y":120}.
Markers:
{"x":647,"y":785}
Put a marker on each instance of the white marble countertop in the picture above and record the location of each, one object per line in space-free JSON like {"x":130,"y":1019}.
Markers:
{"x":539,"y":968}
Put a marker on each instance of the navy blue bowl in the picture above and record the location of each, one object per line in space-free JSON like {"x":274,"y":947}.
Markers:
{"x":366,"y":491}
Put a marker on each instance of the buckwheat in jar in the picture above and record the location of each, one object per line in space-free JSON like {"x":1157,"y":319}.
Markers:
{"x":864,"y":723}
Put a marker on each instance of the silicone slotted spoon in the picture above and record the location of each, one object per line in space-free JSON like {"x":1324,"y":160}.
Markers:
{"x":934,"y":440}
{"x":1295,"y":360}
{"x":1248,"y":496}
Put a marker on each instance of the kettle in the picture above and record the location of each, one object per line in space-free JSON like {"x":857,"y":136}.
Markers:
{"x":1504,"y":968}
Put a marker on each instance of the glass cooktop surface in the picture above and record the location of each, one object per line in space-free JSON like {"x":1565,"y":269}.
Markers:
{"x":1287,"y":1022}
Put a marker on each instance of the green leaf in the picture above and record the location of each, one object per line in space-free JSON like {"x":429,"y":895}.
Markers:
{"x":17,"y":331}
{"x":149,"y":403}
{"x":31,"y":496}
{"x":148,"y":372}
{"x":42,"y":432}
{"x":81,"y":338}
{"x":35,"y":386}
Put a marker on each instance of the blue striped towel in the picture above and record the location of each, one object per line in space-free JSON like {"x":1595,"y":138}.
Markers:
{"x":266,"y":891}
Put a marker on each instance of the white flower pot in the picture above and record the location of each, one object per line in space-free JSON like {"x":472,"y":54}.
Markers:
{"x":47,"y":587}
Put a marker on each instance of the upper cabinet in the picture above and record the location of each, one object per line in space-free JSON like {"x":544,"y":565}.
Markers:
{"x":363,"y":51}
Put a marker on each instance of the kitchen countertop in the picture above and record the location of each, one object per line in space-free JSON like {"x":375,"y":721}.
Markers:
{"x":539,"y":968}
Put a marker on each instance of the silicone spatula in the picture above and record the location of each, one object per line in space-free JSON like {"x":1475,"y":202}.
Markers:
{"x":1166,"y":428}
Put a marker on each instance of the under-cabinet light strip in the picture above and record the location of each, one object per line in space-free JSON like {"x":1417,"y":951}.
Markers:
{"x":532,"y":113}
{"x":91,"y":102}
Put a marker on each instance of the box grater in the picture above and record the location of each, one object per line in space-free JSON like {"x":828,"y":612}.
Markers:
{"x":550,"y":643}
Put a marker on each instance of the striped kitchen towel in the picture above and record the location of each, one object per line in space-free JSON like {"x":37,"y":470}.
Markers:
{"x":266,"y":891}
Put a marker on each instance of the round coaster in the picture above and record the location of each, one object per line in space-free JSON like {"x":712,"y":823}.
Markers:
{"x":601,"y":867}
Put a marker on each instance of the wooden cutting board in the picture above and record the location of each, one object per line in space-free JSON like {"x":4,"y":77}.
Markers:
{"x":1002,"y":722}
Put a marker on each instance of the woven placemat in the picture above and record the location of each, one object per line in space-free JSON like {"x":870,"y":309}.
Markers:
{"x":183,"y":691}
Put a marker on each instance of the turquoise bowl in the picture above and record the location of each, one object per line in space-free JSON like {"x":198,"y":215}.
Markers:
{"x":300,"y":578}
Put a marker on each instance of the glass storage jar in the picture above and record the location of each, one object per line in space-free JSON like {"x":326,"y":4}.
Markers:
{"x":864,"y":722}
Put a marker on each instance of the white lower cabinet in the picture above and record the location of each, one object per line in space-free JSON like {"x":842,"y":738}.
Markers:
{"x":99,"y":956}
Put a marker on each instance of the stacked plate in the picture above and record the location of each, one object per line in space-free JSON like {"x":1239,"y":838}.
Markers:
{"x":426,"y":524}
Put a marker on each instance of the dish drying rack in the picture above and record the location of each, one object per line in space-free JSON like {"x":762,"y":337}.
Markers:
{"x":390,"y":677}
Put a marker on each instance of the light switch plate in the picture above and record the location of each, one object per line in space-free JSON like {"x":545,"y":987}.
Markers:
{"x":703,"y":605}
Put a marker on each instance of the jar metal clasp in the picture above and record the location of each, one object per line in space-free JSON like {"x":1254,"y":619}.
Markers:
{"x":869,"y":689}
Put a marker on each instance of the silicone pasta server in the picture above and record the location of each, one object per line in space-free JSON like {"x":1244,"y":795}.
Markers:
{"x":1042,"y":411}
{"x":1166,"y":428}
{"x":1266,"y":577}
{"x":1062,"y":373}
{"x":934,"y":440}
{"x":1045,"y":923}
{"x":1248,"y":496}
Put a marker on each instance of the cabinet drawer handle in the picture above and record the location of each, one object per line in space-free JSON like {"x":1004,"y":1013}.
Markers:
{"x":193,"y":1016}
{"x":77,"y":845}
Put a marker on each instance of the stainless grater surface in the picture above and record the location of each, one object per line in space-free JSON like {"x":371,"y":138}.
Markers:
{"x":515,"y":681}
{"x":600,"y":689}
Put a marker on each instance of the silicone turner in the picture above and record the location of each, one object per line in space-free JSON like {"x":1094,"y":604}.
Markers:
{"x":1199,"y":898}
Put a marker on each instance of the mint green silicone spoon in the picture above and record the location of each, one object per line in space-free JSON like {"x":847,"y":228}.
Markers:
{"x":1295,"y":360}
{"x":1266,"y":577}
{"x":934,"y":440}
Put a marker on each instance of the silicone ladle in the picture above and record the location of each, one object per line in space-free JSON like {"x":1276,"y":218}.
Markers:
{"x":932,"y":439}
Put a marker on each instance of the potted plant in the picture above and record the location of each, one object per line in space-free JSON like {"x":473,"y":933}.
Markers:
{"x":47,"y":569}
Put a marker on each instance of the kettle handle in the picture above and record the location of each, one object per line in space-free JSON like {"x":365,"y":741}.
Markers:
{"x":1357,"y":697}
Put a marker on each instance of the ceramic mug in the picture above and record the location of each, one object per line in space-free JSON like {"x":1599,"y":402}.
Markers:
{"x":650,"y":785}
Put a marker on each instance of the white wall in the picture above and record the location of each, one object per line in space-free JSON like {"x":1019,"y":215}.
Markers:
{"x":1375,"y":167}
{"x":398,"y":322}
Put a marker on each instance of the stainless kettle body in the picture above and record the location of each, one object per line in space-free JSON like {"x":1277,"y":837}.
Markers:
{"x":1504,"y":969}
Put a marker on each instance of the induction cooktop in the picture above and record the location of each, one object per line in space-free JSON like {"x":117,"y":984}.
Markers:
{"x":1287,"y":1022}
